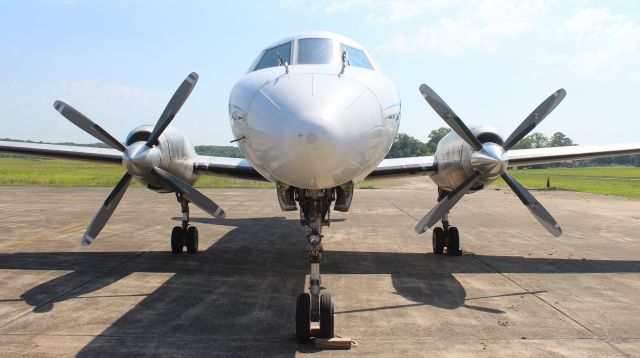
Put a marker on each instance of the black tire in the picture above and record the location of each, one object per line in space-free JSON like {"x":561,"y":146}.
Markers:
{"x":438,"y":240}
{"x":453,"y":242}
{"x":192,"y":240}
{"x":177,"y":239}
{"x":326,"y":316}
{"x":303,"y":318}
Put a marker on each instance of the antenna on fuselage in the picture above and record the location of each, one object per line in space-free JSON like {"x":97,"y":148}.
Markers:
{"x":282,"y":62}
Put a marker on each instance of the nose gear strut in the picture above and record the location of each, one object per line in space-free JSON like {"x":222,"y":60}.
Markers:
{"x":314,"y":306}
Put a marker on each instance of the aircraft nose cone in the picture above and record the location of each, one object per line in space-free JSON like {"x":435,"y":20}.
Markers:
{"x":313,"y":130}
{"x":491,"y":160}
{"x":139,"y":159}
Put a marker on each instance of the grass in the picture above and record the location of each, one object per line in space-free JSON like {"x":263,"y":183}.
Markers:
{"x":68,"y":173}
{"x":616,"y":181}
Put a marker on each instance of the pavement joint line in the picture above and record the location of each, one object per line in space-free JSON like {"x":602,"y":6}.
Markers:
{"x":597,"y":336}
{"x":30,"y":310}
{"x":397,"y":207}
{"x":26,"y":312}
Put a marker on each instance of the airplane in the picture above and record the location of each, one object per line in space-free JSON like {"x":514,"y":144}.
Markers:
{"x":314,"y":114}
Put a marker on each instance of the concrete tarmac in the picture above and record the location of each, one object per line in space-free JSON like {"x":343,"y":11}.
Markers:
{"x":516,"y":291}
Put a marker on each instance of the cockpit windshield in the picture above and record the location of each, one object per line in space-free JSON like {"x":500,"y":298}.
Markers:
{"x":356,"y":57}
{"x":270,"y":57}
{"x":312,"y":51}
{"x":315,"y":51}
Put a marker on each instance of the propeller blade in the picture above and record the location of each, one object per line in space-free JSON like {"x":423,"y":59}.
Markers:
{"x":446,"y":113}
{"x":534,"y":206}
{"x":80,"y":120}
{"x":174,"y":105}
{"x":446,"y":204}
{"x":106,"y":210}
{"x":189,"y":192}
{"x":538,"y":114}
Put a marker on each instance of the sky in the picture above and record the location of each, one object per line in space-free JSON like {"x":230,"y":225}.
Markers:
{"x":493,"y":61}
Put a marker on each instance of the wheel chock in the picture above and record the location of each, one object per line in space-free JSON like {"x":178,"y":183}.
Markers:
{"x":334,"y":343}
{"x":315,"y":330}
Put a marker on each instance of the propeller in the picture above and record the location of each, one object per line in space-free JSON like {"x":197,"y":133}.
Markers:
{"x":140,"y":159}
{"x":107,"y":209}
{"x":446,"y":113}
{"x":189,"y":192}
{"x":174,"y":105}
{"x":534,"y":206}
{"x":445,"y":205}
{"x":490,"y":159}
{"x":80,"y":120}
{"x":538,"y":114}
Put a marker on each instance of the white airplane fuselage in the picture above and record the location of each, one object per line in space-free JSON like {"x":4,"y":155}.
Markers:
{"x":315,"y":126}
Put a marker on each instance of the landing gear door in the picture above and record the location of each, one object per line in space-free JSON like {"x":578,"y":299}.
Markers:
{"x":344,"y":194}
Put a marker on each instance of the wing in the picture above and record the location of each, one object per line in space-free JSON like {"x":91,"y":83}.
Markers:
{"x":522,"y":157}
{"x":103,"y":155}
{"x":203,"y":165}
{"x":227,"y":167}
{"x":403,"y":167}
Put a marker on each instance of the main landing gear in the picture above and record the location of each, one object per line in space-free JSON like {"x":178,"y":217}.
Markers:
{"x":184,"y":235}
{"x":445,"y":236}
{"x":314,"y":306}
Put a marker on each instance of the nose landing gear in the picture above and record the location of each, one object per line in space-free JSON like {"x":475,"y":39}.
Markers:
{"x":184,"y":235}
{"x":314,"y":306}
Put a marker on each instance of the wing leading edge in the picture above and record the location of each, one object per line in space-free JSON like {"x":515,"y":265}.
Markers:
{"x":522,"y":157}
{"x":204,"y":165}
{"x":102,"y":155}
{"x":227,"y":167}
{"x":403,"y":167}
{"x":411,"y":166}
{"x":388,"y":168}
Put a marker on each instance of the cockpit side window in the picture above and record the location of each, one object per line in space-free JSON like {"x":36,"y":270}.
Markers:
{"x":357,"y":57}
{"x":315,"y":51}
{"x":270,"y":57}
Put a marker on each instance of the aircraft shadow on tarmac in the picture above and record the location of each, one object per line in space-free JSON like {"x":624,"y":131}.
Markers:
{"x":239,"y":293}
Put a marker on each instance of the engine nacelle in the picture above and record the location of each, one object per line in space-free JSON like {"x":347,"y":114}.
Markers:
{"x":455,"y":160}
{"x":173,"y":153}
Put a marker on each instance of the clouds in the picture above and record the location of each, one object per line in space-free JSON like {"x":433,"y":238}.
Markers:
{"x":476,"y":26}
{"x":599,"y":40}
{"x":444,"y":26}
{"x":589,"y":41}
{"x":387,"y":11}
{"x":456,"y":35}
{"x":116,"y":106}
{"x":112,"y":97}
